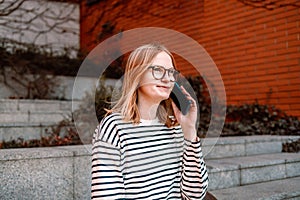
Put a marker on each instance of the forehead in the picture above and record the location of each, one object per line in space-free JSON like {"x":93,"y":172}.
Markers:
{"x":163,"y":59}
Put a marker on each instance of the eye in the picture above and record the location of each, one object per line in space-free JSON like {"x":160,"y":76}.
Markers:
{"x":172,"y":71}
{"x":158,"y":69}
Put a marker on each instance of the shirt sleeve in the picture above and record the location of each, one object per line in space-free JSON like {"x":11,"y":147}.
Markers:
{"x":107,"y":179}
{"x":194,"y":181}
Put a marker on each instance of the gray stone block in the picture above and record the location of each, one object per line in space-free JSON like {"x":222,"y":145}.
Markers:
{"x":82,"y":170}
{"x":34,"y":117}
{"x":48,"y":117}
{"x":46,"y":173}
{"x":14,"y":117}
{"x":39,"y":105}
{"x":293,"y":169}
{"x":33,"y":153}
{"x":224,"y":179}
{"x":65,"y":105}
{"x":262,"y":174}
{"x":226,"y":150}
{"x":33,"y":174}
{"x":279,"y":189}
{"x":222,"y":174}
{"x":255,"y":148}
{"x":240,"y":146}
{"x":26,"y":132}
{"x":82,"y":177}
{"x":8,"y":105}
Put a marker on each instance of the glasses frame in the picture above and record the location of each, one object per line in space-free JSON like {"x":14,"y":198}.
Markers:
{"x":175,"y":72}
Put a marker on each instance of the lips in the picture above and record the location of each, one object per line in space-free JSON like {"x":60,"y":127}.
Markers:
{"x":163,"y":87}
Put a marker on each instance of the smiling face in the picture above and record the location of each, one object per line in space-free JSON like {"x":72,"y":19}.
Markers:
{"x":152,"y":90}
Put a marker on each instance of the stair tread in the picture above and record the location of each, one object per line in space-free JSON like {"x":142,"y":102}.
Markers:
{"x":230,"y":147}
{"x":247,"y":139}
{"x":278,"y":189}
{"x":27,"y":124}
{"x":222,"y":164}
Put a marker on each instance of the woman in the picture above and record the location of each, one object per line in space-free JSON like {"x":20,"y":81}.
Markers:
{"x":140,"y":150}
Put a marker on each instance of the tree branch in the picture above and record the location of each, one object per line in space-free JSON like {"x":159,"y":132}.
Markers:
{"x":269,"y":4}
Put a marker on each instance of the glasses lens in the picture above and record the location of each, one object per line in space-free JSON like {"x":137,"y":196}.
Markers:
{"x":173,"y":74}
{"x":158,"y":72}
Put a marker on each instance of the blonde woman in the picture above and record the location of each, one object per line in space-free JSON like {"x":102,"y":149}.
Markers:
{"x":145,"y":148}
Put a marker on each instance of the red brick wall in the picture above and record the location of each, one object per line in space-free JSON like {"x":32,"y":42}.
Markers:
{"x":256,"y":50}
{"x":180,"y":15}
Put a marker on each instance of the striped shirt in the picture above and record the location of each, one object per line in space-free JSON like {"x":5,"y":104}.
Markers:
{"x":145,"y":161}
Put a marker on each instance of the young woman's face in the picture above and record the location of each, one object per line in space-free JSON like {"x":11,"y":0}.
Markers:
{"x":153,"y":89}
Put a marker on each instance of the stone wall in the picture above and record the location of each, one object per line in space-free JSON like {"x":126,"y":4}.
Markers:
{"x":45,"y":173}
{"x":61,"y":86}
{"x":49,"y":24}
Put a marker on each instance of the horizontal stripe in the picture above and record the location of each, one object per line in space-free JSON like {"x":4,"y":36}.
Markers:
{"x":138,"y":161}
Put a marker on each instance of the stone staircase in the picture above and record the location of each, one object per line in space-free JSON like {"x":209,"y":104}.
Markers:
{"x":252,"y":167}
{"x":28,"y":119}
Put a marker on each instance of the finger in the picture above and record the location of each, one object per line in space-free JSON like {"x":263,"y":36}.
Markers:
{"x":175,"y":107}
{"x":176,"y":111}
{"x":184,"y":91}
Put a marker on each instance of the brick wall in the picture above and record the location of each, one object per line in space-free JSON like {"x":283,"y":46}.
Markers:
{"x":256,"y":50}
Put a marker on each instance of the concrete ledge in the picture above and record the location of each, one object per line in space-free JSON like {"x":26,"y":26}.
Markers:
{"x":232,"y":172}
{"x":227,"y":147}
{"x":279,"y":189}
{"x":28,"y":119}
{"x":26,"y":131}
{"x":36,"y":105}
{"x":45,"y":173}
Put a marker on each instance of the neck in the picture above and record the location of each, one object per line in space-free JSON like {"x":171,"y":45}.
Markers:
{"x":147,"y":110}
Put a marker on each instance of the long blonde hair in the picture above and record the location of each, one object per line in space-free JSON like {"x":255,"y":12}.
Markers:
{"x":137,"y":63}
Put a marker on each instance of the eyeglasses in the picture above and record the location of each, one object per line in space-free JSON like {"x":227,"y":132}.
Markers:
{"x":159,"y":72}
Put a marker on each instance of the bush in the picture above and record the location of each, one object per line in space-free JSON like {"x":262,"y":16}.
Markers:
{"x":54,"y":138}
{"x":256,"y":119}
{"x":243,"y":120}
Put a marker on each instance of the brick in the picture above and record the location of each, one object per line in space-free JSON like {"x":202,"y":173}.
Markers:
{"x":293,"y":112}
{"x":250,"y":46}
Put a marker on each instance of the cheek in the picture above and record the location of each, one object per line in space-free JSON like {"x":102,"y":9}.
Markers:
{"x":147,"y":80}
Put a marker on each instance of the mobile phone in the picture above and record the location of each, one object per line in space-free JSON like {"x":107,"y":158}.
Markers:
{"x":180,"y":100}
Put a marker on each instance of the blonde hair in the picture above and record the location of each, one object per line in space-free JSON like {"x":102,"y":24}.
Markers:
{"x":137,"y":63}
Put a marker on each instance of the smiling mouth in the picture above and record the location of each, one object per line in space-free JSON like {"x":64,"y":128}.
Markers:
{"x":161,"y":86}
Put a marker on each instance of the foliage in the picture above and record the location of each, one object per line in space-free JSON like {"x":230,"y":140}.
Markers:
{"x":291,"y":146}
{"x":256,"y":119}
{"x":54,"y":138}
{"x":34,"y":61}
{"x":247,"y":119}
{"x":40,"y":68}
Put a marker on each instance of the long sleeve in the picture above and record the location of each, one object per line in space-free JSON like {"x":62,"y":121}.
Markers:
{"x":145,"y":161}
{"x":194,"y":181}
{"x":107,"y":178}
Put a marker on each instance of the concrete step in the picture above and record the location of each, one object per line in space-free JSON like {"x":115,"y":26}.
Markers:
{"x":27,"y":131}
{"x":272,"y":190}
{"x":226,"y":147}
{"x":28,"y":119}
{"x":35,"y":111}
{"x":34,"y":117}
{"x":36,"y":105}
{"x":238,"y":171}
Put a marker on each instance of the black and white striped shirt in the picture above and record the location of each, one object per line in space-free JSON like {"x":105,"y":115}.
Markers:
{"x":145,"y":161}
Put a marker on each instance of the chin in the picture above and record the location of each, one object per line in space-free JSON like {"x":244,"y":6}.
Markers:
{"x":164,"y":97}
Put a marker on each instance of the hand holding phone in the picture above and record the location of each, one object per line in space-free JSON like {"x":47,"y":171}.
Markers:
{"x":180,"y":99}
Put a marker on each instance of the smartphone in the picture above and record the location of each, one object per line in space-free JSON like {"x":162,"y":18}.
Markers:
{"x":180,"y":100}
